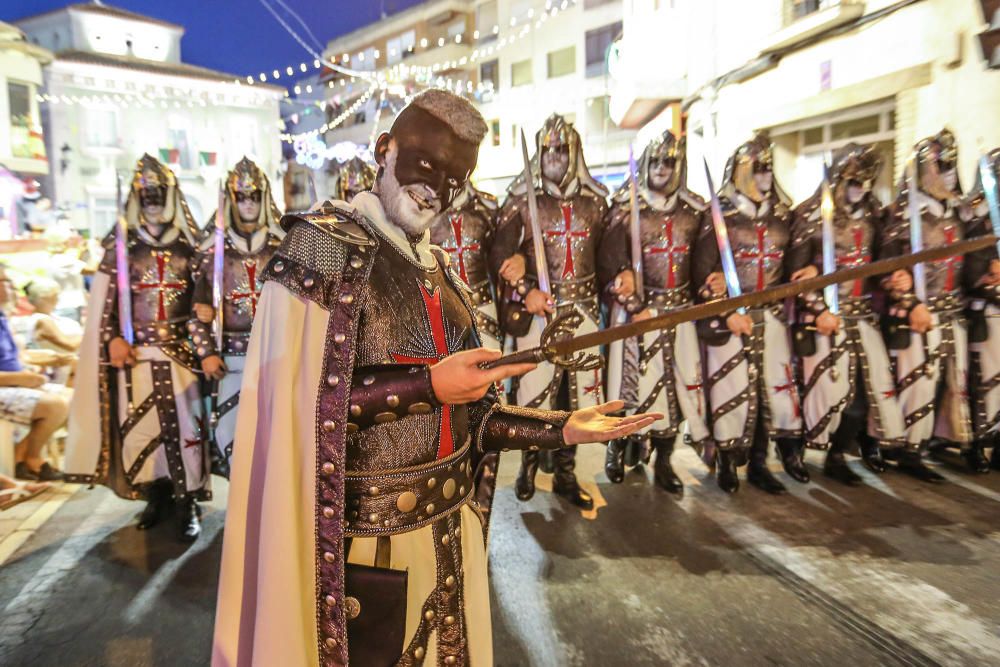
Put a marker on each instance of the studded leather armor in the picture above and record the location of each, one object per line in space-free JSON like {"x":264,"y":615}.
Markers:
{"x":758,"y":245}
{"x":241,"y":284}
{"x":465,"y":232}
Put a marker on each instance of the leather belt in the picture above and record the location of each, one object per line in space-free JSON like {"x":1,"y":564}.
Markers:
{"x":481,"y":294}
{"x":668,"y":299}
{"x":235,"y":343}
{"x":574,"y":291}
{"x":944,"y":303}
{"x":856,"y":307}
{"x":155,"y":333}
{"x":398,"y":501}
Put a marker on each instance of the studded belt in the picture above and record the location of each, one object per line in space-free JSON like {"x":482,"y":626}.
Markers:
{"x":481,"y":293}
{"x":235,"y":343}
{"x":944,"y":303}
{"x":667,"y":299}
{"x":856,"y":307}
{"x":401,"y":500}
{"x":155,"y":333}
{"x":572,"y":291}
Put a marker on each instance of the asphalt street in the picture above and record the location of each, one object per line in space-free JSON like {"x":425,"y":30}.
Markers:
{"x":892,"y":573}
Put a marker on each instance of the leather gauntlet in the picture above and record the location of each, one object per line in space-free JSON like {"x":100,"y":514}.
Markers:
{"x":201,"y":336}
{"x":381,"y":394}
{"x":511,"y":427}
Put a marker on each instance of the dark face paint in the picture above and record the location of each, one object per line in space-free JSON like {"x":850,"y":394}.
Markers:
{"x":430,"y":153}
{"x":153,"y":196}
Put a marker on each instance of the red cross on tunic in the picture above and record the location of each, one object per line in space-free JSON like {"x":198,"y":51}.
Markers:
{"x":166,"y":285}
{"x":760,"y":254}
{"x":949,"y":281}
{"x":458,"y":249}
{"x":567,"y":235}
{"x":859,"y":256}
{"x":250,"y":293}
{"x":435,"y":315}
{"x":790,"y":388}
{"x":697,"y":389}
{"x":595,"y":388}
{"x":671,"y":249}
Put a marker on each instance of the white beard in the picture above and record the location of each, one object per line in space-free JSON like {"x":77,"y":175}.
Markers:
{"x":400,"y":209}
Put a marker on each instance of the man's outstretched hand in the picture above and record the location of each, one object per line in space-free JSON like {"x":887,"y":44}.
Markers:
{"x":594,"y":424}
{"x":458,"y":378}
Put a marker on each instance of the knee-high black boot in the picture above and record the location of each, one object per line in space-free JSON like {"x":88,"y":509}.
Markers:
{"x":791,"y":450}
{"x":614,"y":460}
{"x":524,"y":486}
{"x":564,"y":479}
{"x":757,"y":472}
{"x":835,"y":466}
{"x":663,"y":472}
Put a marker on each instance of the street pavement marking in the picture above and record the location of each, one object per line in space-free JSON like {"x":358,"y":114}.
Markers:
{"x":16,"y":539}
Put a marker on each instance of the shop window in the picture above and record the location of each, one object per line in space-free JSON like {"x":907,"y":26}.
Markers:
{"x":520,"y":73}
{"x":562,"y":62}
{"x":101,"y":128}
{"x":25,"y":134}
{"x":856,"y":127}
{"x":598,"y":41}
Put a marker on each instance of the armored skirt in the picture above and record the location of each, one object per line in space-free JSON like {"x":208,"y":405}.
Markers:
{"x":829,"y":381}
{"x":267,"y":612}
{"x":754,"y":382}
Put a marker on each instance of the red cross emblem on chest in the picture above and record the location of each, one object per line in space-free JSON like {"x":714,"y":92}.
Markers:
{"x":246,"y":294}
{"x":435,"y":317}
{"x":566,"y":234}
{"x":459,"y":249}
{"x":673,"y":251}
{"x":949,"y":281}
{"x":858,"y":256}
{"x":759,"y":254}
{"x":790,"y":388}
{"x":164,"y":281}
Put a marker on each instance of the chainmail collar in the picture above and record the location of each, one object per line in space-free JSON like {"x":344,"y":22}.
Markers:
{"x":418,"y":252}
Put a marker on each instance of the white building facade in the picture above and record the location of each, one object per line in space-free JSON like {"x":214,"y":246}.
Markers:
{"x":118,"y":89}
{"x":816,"y":74}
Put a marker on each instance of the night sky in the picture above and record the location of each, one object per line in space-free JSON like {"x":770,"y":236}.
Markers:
{"x":239,"y":36}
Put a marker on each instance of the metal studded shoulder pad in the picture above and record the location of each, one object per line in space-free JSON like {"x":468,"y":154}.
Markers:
{"x":693,"y":200}
{"x":311,"y":258}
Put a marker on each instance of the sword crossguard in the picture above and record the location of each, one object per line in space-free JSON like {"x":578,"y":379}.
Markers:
{"x":560,"y":328}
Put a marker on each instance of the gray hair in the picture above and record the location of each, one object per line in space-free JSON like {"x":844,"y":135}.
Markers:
{"x":40,"y":288}
{"x":455,"y":111}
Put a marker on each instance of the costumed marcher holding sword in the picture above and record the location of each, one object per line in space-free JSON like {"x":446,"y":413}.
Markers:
{"x":559,"y":265}
{"x":930,"y":355}
{"x":982,"y":277}
{"x":656,"y":215}
{"x":848,"y":388}
{"x":136,"y":421}
{"x":248,"y":235}
{"x":369,"y":432}
{"x":753,"y":394}
{"x":465,"y":232}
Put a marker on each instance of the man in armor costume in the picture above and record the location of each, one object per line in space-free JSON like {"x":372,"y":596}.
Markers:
{"x":982,"y":277}
{"x":251,"y":235}
{"x":136,"y":420}
{"x":931,"y":362}
{"x":752,"y":385}
{"x":465,"y":232}
{"x":368,"y":433}
{"x":848,"y":387}
{"x":353,"y":176}
{"x":572,"y":216}
{"x":662,"y":370}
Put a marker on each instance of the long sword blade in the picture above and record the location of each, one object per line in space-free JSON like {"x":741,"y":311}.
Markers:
{"x":713,"y":308}
{"x":722,"y":240}
{"x":635,"y":224}
{"x":121,"y":268}
{"x":218,"y":262}
{"x":916,"y":229}
{"x":831,"y":293}
{"x":537,"y":242}
{"x":990,"y":191}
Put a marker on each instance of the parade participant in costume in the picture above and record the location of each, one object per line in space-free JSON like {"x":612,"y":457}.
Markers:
{"x":931,"y":362}
{"x":848,"y":387}
{"x":753,"y":395}
{"x":250,"y":218}
{"x":572,"y":215}
{"x":368,"y":432}
{"x":136,"y":422}
{"x":662,"y":371}
{"x":354,"y":176}
{"x":465,"y":232}
{"x":982,"y":280}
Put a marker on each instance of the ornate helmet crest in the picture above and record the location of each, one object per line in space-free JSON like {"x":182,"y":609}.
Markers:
{"x":935,"y":156}
{"x":558,"y":134}
{"x":665,"y":148}
{"x":151,"y":181}
{"x":754,"y":156}
{"x":246,"y":177}
{"x":854,"y":163}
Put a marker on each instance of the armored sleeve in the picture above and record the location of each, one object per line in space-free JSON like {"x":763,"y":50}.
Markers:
{"x":200,"y":332}
{"x":806,"y":249}
{"x":506,"y":427}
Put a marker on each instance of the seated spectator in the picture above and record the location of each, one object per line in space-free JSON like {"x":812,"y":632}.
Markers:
{"x":27,"y":399}
{"x":44,"y":330}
